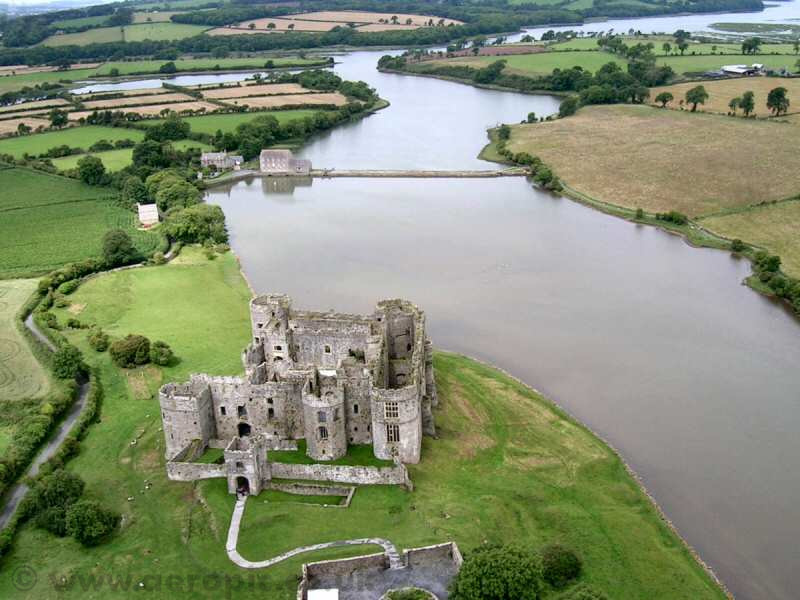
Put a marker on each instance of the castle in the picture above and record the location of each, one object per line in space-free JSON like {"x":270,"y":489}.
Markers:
{"x":331,"y":379}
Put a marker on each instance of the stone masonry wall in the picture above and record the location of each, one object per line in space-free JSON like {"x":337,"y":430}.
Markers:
{"x":396,"y":475}
{"x":178,"y":471}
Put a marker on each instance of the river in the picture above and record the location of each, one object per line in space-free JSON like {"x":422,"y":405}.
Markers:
{"x":655,"y":345}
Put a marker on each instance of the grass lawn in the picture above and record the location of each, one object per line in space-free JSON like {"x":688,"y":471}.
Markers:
{"x":507,"y":465}
{"x":114,"y":160}
{"x":709,"y":62}
{"x":228,"y":122}
{"x":80,"y":22}
{"x":660,"y":160}
{"x":48,"y":221}
{"x":541,"y":63}
{"x":356,"y":455}
{"x":161,"y":31}
{"x":21,"y":375}
{"x":10,"y":83}
{"x":721,"y":92}
{"x":74,"y":137}
{"x":773,"y":226}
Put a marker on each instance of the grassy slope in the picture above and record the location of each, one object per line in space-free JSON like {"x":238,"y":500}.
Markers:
{"x":701,"y":63}
{"x":228,"y":122}
{"x":74,"y":137}
{"x":14,"y":82}
{"x":685,"y":162}
{"x":152,"y":66}
{"x":47,"y":221}
{"x":114,"y":160}
{"x":21,"y":375}
{"x":507,"y":465}
{"x":129,"y":33}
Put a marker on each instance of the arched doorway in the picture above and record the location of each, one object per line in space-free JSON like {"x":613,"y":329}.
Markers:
{"x":242,"y":485}
{"x":244,"y":429}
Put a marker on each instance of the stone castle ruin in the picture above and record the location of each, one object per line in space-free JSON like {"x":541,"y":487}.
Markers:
{"x":331,"y":379}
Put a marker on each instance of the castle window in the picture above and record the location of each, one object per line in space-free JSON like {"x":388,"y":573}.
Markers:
{"x":255,"y":340}
{"x":391,"y":410}
{"x":323,"y":433}
{"x":322,"y":417}
{"x":279,"y":348}
{"x":392,"y":432}
{"x":270,"y":413}
{"x":278,"y":359}
{"x":335,"y":414}
{"x":260,"y":325}
{"x":355,"y":428}
{"x":408,"y":346}
{"x":355,"y":409}
{"x":239,"y":465}
{"x":241,"y":411}
{"x":222,"y":410}
{"x":327,"y":349}
{"x":269,"y":400}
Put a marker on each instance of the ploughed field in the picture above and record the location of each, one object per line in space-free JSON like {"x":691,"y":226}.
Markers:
{"x":47,"y":221}
{"x":507,"y":465}
{"x":715,"y":168}
{"x":327,"y":20}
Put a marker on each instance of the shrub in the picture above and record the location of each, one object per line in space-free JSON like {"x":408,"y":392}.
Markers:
{"x":98,"y":340}
{"x":91,"y":170}
{"x":59,"y":489}
{"x":130,"y":351}
{"x":559,"y":565}
{"x":568,"y":107}
{"x":68,"y":362}
{"x":69,"y":286}
{"x":674,"y":217}
{"x":74,"y":323}
{"x":640,"y":213}
{"x":497,"y":572}
{"x":738,"y":245}
{"x":504,"y":132}
{"x":52,"y":519}
{"x":118,"y":248}
{"x":197,"y":224}
{"x":584,"y":592}
{"x":89,"y":523}
{"x":161,"y":354}
{"x":49,"y":320}
{"x":133,"y":192}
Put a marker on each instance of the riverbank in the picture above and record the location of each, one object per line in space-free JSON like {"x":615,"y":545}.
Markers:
{"x":552,"y":479}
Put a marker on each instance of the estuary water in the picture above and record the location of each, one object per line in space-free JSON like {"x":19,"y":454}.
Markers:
{"x":655,"y":345}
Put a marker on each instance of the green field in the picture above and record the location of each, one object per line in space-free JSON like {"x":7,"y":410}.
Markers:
{"x":99,"y":35}
{"x":74,"y":137}
{"x":80,"y":22}
{"x":541,"y":63}
{"x":114,"y":160}
{"x":202,"y":64}
{"x":507,"y":465}
{"x":228,"y":122}
{"x":14,"y":82}
{"x":21,"y":375}
{"x":48,"y":221}
{"x":710,"y":62}
{"x":161,"y":31}
{"x":356,"y":455}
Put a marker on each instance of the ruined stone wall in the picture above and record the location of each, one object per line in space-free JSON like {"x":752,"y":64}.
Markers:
{"x":326,"y":339}
{"x":186,"y":415}
{"x":324,"y":416}
{"x":181,"y":471}
{"x":438,"y":553}
{"x":396,"y":475}
{"x":408,"y":422}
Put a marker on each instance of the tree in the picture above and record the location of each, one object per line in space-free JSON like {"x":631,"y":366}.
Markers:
{"x":777,"y":101}
{"x":747,"y":103}
{"x":568,"y":107}
{"x":130,"y":351}
{"x":91,"y":170}
{"x":89,"y":523}
{"x":696,"y":95}
{"x":197,"y":224}
{"x":98,"y":340}
{"x":664,"y":98}
{"x":497,"y":573}
{"x":168,"y":67}
{"x":504,"y":132}
{"x":251,"y":25}
{"x":290,"y":26}
{"x":682,"y":46}
{"x":113,"y":72}
{"x":161,"y":354}
{"x":23,"y":129}
{"x":559,"y":565}
{"x":270,"y":25}
{"x":751,"y":45}
{"x":532,"y":117}
{"x":796,"y":46}
{"x":58,"y":118}
{"x":666,"y":47}
{"x":68,"y":362}
{"x":133,"y":192}
{"x":178,"y":194}
{"x":734,"y":104}
{"x":118,"y":248}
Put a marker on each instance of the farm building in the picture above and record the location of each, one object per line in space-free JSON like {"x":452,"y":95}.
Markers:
{"x":283,"y":162}
{"x":148,"y":214}
{"x":753,"y":69}
{"x":221,"y":160}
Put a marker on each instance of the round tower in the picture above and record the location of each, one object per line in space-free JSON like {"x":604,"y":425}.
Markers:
{"x":324,"y":417}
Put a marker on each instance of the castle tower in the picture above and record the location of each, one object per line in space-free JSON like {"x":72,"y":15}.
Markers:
{"x":246,"y":464}
{"x":187,"y":415}
{"x":324,"y":416}
{"x":269,"y":316}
